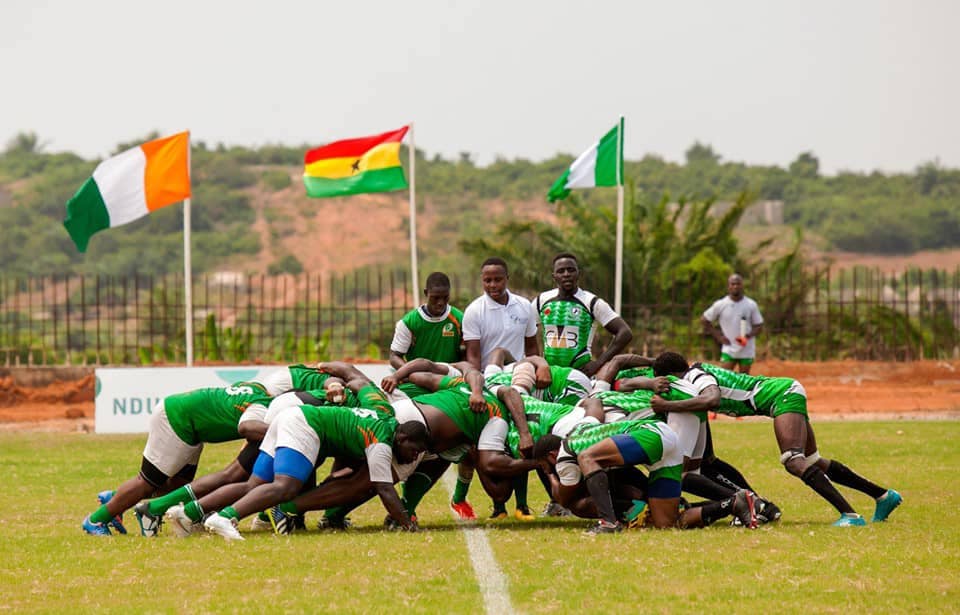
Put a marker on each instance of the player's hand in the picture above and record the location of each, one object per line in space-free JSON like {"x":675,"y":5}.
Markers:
{"x":543,"y":377}
{"x":335,"y":393}
{"x":591,"y":368}
{"x":659,"y":404}
{"x":661,"y":384}
{"x":526,"y":446}
{"x":477,"y":403}
{"x":724,"y":340}
{"x":389,"y":384}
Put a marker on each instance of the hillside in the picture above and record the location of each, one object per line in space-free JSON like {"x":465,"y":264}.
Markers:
{"x":250,"y":213}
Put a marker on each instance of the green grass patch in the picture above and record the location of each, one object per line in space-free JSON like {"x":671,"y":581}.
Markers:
{"x":801,"y":564}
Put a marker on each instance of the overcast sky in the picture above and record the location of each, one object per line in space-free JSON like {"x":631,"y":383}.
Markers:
{"x":863,"y":84}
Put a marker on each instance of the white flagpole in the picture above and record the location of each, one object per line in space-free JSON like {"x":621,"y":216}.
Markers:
{"x":618,"y":280}
{"x":414,"y":277}
{"x":187,"y":282}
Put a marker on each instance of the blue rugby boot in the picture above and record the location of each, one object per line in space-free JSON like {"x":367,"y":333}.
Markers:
{"x":849,"y":520}
{"x":117,"y":522}
{"x":885,"y":505}
{"x":95,"y":529}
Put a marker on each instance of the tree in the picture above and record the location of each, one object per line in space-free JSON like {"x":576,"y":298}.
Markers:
{"x":806,"y":166}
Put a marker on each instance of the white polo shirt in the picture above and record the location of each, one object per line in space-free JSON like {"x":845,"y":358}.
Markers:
{"x":499,"y":326}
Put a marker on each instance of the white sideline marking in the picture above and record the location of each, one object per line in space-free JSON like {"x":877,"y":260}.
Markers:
{"x":493,"y":585}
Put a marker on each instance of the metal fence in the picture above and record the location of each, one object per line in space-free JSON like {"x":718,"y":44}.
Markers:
{"x":107,"y":320}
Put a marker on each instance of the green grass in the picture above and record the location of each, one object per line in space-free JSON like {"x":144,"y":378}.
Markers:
{"x":910,"y":563}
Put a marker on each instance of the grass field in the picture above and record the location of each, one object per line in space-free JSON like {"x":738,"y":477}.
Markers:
{"x":910,"y":563}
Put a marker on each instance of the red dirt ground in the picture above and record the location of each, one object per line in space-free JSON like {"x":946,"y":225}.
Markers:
{"x":857,"y":389}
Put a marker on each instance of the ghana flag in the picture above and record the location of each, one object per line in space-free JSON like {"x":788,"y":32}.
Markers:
{"x":352,"y":166}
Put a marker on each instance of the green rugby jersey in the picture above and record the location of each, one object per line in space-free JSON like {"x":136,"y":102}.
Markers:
{"x":567,"y":385}
{"x":212,"y":415}
{"x":455,"y":403}
{"x":567,"y":327}
{"x":436,"y":338}
{"x":347,"y":432}
{"x":747,"y":395}
{"x":542,"y":417}
{"x":582,"y":439}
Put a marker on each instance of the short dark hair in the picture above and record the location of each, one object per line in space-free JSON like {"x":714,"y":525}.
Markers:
{"x":565,"y":255}
{"x":669,"y":363}
{"x":495,"y":260}
{"x":437,"y":279}
{"x":545,"y":445}
{"x":416,"y":432}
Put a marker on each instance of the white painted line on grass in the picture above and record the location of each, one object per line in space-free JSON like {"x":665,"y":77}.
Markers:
{"x":493,"y":585}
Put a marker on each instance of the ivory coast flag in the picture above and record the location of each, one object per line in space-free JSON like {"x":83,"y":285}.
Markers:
{"x":601,"y":165}
{"x":130,"y":185}
{"x":352,"y":166}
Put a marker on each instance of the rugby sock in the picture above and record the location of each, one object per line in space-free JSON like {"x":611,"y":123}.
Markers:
{"x":289,"y":508}
{"x":520,"y":489}
{"x":818,"y":481}
{"x":158,"y":506}
{"x":460,"y":490}
{"x":719,"y":471}
{"x":711,"y":511}
{"x":839,"y":473}
{"x":698,"y":484}
{"x":193,"y":511}
{"x":599,"y":487}
{"x":414,"y":488}
{"x":229,"y":513}
{"x":338,"y":512}
{"x":101,"y":515}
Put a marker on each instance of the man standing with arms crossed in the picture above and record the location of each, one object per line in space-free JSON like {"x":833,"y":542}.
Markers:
{"x":738,"y":322}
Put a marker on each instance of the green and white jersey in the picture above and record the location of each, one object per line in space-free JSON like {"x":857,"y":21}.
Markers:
{"x":627,"y":403}
{"x":636,"y":404}
{"x":438,"y":338}
{"x":347,"y":432}
{"x":567,"y":385}
{"x":542,"y":417}
{"x":455,"y":403}
{"x":297,"y":377}
{"x":212,"y":415}
{"x":747,"y":395}
{"x":568,"y":325}
{"x":658,"y":441}
{"x":635,"y":372}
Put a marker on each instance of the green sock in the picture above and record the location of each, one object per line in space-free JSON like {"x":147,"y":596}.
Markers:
{"x":262,"y":515}
{"x":289,"y":508}
{"x":337,"y":512}
{"x":101,"y":515}
{"x":194,"y":511}
{"x":158,"y":506}
{"x":460,"y":491}
{"x":229,"y":513}
{"x":414,"y":488}
{"x":520,"y":490}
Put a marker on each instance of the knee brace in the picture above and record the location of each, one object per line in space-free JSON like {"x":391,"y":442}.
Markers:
{"x":794,"y":461}
{"x":524,"y":376}
{"x":812,"y":459}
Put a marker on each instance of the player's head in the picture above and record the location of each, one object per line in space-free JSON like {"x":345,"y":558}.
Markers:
{"x":437,"y":292}
{"x":410,"y":439}
{"x":566,"y":271}
{"x":494,"y":275}
{"x":546,"y":445}
{"x":670,"y":363}
{"x":735,"y":286}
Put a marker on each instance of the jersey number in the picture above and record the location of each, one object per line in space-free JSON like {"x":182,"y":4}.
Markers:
{"x":239,"y":390}
{"x":364,"y":413}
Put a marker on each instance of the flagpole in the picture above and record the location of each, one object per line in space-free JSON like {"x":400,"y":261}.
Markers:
{"x":618,"y":281}
{"x":414,"y":277}
{"x":187,"y":282}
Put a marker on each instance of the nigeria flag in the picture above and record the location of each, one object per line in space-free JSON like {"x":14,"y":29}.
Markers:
{"x":601,"y":165}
